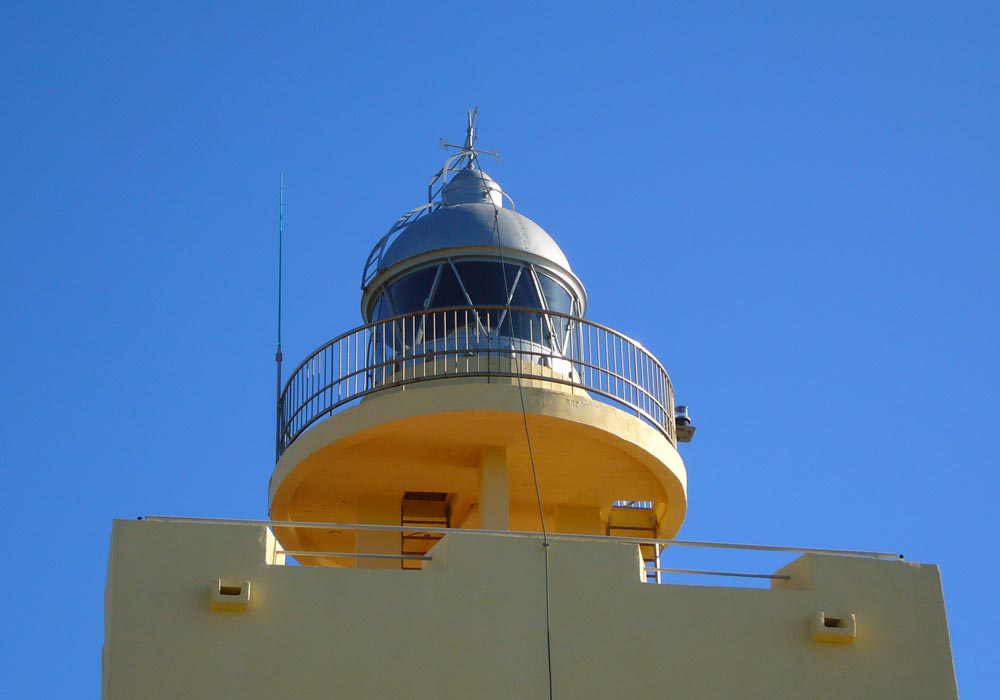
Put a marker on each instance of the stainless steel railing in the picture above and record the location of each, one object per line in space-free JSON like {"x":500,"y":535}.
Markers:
{"x":481,"y":341}
{"x":733,"y":550}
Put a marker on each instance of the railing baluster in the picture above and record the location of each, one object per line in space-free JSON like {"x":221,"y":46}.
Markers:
{"x":382,"y":355}
{"x":622,"y":369}
{"x":531,"y":345}
{"x":589,"y":352}
{"x":621,"y":365}
{"x":635,"y":378}
{"x":640,"y":374}
{"x":454,"y":336}
{"x":653,"y":399}
{"x":594,"y":360}
{"x":603,"y":380}
{"x":615,"y":366}
{"x":625,"y":370}
{"x":478,"y":342}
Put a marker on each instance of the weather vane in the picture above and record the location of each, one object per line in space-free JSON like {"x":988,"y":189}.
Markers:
{"x":469,"y":150}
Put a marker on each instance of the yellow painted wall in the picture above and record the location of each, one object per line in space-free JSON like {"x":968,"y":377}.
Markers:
{"x":472,"y":625}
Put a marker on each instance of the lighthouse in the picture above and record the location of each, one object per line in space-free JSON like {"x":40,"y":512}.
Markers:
{"x":476,"y":396}
{"x":476,"y":493}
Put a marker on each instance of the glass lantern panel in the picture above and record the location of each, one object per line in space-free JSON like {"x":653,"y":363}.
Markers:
{"x":526,"y":325}
{"x":410,"y":293}
{"x":485,"y":283}
{"x":556,"y":296}
{"x":448,"y":293}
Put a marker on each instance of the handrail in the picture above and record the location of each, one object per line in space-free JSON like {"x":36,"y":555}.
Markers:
{"x":479,"y":341}
{"x":665,"y":541}
{"x":354,"y":555}
{"x":652,"y":570}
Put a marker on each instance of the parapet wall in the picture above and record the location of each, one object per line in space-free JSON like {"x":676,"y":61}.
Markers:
{"x":472,"y":624}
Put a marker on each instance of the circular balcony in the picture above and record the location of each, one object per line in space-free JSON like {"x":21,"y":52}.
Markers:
{"x":512,"y":343}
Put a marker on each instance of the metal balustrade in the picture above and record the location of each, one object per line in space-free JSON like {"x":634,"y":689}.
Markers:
{"x":734,"y":552}
{"x":481,"y":341}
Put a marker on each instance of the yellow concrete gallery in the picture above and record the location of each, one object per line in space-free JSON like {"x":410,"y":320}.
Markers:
{"x":471,"y":497}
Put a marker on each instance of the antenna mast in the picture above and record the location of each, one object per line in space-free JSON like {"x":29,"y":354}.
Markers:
{"x":277,"y":354}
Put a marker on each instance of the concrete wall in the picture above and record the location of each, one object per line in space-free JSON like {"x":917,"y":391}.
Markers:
{"x":472,"y":625}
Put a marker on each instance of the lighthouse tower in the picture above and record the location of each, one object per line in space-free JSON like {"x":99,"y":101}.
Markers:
{"x":476,"y":395}
{"x":475,"y":494}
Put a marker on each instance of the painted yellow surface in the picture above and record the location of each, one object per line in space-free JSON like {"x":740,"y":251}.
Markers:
{"x":582,"y":520}
{"x":494,"y":490}
{"x":378,"y":511}
{"x":433,"y":437}
{"x":472,"y":624}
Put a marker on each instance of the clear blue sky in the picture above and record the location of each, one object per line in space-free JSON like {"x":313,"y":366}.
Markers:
{"x":794,"y":207}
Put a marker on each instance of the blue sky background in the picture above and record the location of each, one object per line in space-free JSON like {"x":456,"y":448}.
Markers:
{"x":794,"y":207}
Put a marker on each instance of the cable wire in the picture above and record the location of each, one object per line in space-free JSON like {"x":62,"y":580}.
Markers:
{"x":515,"y":361}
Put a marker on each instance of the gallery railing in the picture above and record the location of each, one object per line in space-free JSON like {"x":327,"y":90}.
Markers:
{"x":481,"y":341}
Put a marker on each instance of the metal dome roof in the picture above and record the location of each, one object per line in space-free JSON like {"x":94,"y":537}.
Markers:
{"x":463,"y":217}
{"x":471,"y":226}
{"x":472,"y":186}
